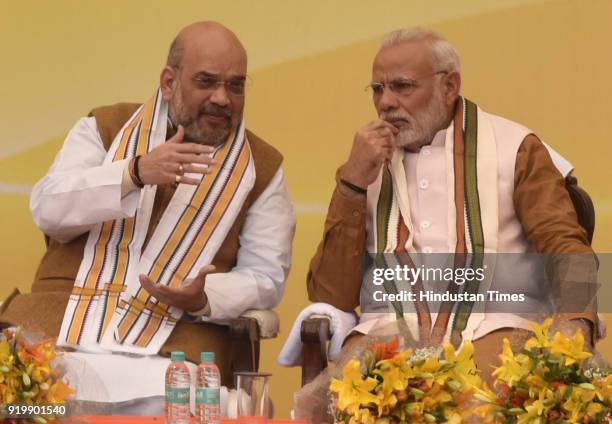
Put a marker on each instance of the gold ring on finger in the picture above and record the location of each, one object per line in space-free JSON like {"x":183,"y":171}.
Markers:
{"x":177,"y":179}
{"x":181,"y":169}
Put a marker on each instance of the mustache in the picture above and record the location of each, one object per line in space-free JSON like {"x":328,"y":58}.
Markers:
{"x":212,"y":109}
{"x":388,"y":116}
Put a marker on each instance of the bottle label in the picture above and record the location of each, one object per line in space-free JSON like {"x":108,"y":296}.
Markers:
{"x":207,"y":395}
{"x":177,"y":395}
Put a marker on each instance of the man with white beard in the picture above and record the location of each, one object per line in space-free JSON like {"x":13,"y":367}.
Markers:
{"x":417,"y":182}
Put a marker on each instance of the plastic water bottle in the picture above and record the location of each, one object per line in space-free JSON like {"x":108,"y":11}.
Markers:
{"x":207,"y":390}
{"x":177,"y":390}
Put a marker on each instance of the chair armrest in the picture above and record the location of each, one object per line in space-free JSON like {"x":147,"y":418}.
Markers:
{"x":315,"y":334}
{"x":245,"y":336}
{"x":267,"y":320}
{"x":245,"y":333}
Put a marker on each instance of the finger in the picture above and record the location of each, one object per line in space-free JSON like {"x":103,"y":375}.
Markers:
{"x":178,"y":137}
{"x":206,"y":269}
{"x":197,"y":169}
{"x":381,"y":142}
{"x":194,"y":148}
{"x":186,"y":180}
{"x":382,"y":133}
{"x":381,"y":123}
{"x":160,"y":292}
{"x":191,"y":158}
{"x":148,"y":284}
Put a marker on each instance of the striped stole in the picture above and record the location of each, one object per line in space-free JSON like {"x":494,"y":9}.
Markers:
{"x":471,"y":161}
{"x":108,"y":310}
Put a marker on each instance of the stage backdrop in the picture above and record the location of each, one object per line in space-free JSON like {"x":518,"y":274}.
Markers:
{"x":542,"y":63}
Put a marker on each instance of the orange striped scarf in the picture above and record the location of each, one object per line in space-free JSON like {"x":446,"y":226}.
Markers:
{"x":108,"y":310}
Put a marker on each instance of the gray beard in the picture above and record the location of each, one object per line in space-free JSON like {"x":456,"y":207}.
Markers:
{"x":194,"y":134}
{"x":423,"y":126}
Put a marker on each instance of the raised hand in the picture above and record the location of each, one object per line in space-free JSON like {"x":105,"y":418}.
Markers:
{"x":169,"y":162}
{"x":372,"y":146}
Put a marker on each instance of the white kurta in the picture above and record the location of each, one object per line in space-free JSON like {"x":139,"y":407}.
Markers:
{"x":79,"y":192}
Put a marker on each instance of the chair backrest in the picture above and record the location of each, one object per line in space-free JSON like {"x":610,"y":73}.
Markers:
{"x":583,"y":205}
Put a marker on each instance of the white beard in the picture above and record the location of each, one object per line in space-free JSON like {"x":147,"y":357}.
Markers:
{"x":422,"y":126}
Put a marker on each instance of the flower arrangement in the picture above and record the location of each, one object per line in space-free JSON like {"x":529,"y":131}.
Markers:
{"x":28,"y":380}
{"x":391,"y":386}
{"x":547,"y":382}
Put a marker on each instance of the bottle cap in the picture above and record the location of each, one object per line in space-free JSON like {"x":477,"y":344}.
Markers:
{"x":207,"y":356}
{"x":177,"y":356}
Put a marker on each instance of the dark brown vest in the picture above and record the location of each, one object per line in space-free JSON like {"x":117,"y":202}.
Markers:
{"x":43,"y":309}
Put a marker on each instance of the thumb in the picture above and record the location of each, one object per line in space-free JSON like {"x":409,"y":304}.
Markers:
{"x":178,"y":137}
{"x":207,"y":269}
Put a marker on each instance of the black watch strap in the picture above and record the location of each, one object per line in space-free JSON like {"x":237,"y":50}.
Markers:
{"x":353,"y":187}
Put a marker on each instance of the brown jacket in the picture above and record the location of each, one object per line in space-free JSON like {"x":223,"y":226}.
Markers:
{"x":43,"y":309}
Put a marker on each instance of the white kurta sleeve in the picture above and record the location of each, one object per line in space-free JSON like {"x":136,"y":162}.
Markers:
{"x":80,"y":191}
{"x":264,"y":257}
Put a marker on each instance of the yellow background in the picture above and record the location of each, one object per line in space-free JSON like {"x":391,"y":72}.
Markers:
{"x":545,"y":64}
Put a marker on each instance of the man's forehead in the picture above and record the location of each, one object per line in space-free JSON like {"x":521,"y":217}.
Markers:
{"x":215,"y":59}
{"x":412,"y":58}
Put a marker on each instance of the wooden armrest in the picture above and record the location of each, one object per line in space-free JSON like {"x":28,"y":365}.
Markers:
{"x":314,"y":335}
{"x":245,"y":337}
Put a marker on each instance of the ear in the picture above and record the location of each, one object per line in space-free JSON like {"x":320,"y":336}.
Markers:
{"x":452,"y":86}
{"x":168,"y":81}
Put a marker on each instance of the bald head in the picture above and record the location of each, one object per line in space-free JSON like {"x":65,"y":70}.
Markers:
{"x":200,"y":35}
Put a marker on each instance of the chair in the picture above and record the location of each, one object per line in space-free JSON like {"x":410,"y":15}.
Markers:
{"x":315,"y":333}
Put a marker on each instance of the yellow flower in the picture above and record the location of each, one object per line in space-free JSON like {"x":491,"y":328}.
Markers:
{"x":537,"y":410}
{"x":393,"y":380}
{"x":363,"y":416}
{"x":353,"y":390}
{"x":594,"y":408}
{"x":572,"y":348}
{"x":541,"y":335}
{"x":603,"y":388}
{"x":512,"y":368}
{"x":465,"y":368}
{"x":5,"y":350}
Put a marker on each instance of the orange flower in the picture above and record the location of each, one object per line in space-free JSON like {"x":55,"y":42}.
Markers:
{"x":385,"y":350}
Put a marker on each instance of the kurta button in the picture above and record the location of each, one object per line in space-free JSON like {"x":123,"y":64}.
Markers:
{"x":425,"y":225}
{"x":423,"y":184}
{"x":427,"y":249}
{"x":426,"y":151}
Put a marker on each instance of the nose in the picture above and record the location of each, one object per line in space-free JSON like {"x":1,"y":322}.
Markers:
{"x":220,"y":96}
{"x":387,"y":101}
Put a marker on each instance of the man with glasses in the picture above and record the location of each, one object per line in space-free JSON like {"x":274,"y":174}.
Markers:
{"x":160,"y":216}
{"x":436,"y":174}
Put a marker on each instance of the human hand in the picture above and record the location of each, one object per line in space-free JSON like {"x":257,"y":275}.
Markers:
{"x":372,"y":146}
{"x":189,"y":297}
{"x":175,"y":158}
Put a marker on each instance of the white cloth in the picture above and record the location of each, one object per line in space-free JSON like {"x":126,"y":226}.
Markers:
{"x":341,"y":324}
{"x":77,"y":177}
{"x":144,"y":398}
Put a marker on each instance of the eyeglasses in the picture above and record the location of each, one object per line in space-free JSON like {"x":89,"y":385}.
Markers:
{"x":236,"y":87}
{"x":205,"y":81}
{"x":401,"y":86}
